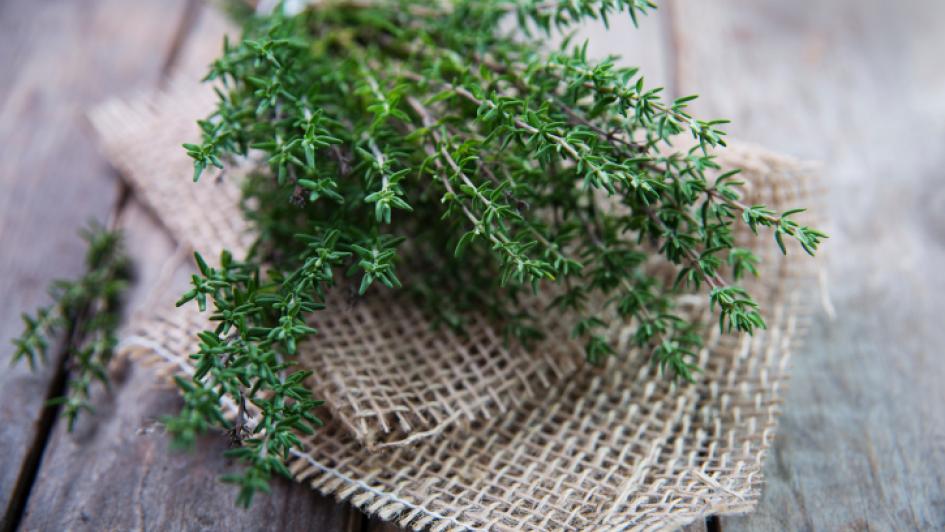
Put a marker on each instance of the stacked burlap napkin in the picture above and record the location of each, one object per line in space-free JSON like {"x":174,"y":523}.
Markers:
{"x":446,"y":432}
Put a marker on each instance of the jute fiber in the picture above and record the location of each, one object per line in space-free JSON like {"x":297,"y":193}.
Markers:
{"x":447,"y":432}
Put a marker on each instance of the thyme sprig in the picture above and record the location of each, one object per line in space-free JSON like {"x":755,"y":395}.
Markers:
{"x":413,"y":133}
{"x":87,"y":309}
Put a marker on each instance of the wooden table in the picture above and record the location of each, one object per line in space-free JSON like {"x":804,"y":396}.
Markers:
{"x":857,"y":84}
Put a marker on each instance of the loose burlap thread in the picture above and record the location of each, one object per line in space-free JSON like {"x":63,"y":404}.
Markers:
{"x":440,"y":431}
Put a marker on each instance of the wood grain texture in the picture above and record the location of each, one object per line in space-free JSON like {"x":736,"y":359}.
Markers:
{"x":58,"y":57}
{"x":857,"y":84}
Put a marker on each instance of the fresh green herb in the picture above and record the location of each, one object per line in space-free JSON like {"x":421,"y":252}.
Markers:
{"x":87,"y":311}
{"x":412,"y":132}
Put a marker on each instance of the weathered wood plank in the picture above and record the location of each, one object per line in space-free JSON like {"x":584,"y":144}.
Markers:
{"x":58,"y":57}
{"x":856,"y":84}
{"x":117,"y":470}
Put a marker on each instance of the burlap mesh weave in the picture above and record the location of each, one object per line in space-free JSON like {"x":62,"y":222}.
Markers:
{"x":444,"y":432}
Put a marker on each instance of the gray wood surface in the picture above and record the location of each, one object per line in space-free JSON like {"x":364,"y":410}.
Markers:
{"x":51,"y":177}
{"x":859,"y":85}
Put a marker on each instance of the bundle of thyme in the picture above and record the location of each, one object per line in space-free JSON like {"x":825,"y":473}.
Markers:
{"x":442,"y":140}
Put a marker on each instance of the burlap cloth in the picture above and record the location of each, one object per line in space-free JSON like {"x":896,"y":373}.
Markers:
{"x":440,"y":431}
